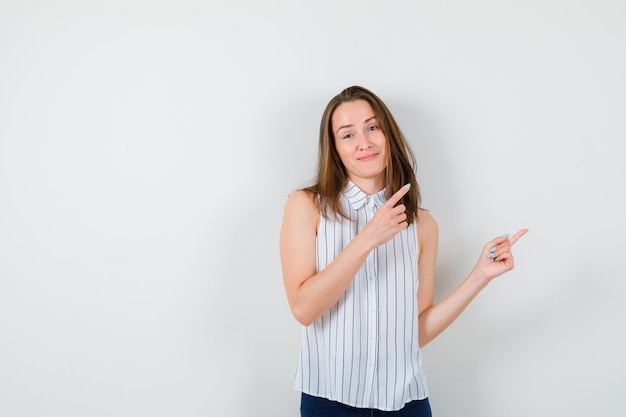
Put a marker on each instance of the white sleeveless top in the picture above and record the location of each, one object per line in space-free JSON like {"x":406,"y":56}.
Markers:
{"x":364,"y":351}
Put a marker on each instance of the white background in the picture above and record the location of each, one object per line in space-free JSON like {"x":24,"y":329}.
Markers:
{"x":147,"y":149}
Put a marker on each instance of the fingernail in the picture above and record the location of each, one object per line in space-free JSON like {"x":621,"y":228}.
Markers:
{"x":492,"y":249}
{"x":490,"y":255}
{"x":407,"y":186}
{"x":507,"y":235}
{"x":497,"y":257}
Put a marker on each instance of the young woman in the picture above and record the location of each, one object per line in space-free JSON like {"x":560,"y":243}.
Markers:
{"x":358,"y":258}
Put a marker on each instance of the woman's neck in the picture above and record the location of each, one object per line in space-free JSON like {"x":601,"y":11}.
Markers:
{"x":369,"y":186}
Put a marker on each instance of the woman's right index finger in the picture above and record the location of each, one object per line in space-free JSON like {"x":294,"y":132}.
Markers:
{"x":399,"y":194}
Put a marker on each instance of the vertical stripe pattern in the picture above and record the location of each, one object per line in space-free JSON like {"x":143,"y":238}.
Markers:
{"x":364,"y":351}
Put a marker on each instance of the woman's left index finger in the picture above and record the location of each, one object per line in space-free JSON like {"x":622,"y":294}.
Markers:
{"x":517,"y":235}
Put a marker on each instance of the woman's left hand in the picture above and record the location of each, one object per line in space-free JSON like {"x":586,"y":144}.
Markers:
{"x":496,"y":257}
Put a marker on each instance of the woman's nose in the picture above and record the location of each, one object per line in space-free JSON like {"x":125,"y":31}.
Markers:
{"x":363,"y":141}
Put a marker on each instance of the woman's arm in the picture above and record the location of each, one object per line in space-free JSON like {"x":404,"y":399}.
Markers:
{"x":311,"y":293}
{"x":435,"y":318}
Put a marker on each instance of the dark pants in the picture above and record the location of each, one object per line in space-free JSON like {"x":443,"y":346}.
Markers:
{"x":321,"y":407}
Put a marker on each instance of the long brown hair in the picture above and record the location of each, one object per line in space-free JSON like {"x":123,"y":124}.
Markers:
{"x":331,"y":176}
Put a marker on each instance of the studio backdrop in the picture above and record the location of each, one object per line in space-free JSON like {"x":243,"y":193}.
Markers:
{"x":147,"y":149}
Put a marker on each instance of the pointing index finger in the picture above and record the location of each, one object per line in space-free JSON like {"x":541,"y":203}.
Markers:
{"x":517,"y":235}
{"x":398,"y":195}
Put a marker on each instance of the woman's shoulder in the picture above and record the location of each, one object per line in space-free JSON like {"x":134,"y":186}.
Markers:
{"x":425,"y":218}
{"x":302,"y":199}
{"x":426,"y":224}
{"x":301,"y":213}
{"x":302,"y":204}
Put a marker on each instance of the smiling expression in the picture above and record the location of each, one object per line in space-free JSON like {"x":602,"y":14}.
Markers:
{"x":361,"y":144}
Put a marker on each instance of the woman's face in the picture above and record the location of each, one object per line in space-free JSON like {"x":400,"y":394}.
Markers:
{"x":361,"y":144}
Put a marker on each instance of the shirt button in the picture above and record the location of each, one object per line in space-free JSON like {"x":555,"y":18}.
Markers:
{"x":371,"y":277}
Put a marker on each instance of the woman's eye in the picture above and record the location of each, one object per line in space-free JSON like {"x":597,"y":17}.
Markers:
{"x":373,"y":128}
{"x":348,"y":136}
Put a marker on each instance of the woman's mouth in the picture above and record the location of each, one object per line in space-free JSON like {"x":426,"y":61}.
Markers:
{"x":368,"y":157}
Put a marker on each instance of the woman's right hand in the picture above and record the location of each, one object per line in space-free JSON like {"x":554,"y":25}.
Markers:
{"x":389,"y":220}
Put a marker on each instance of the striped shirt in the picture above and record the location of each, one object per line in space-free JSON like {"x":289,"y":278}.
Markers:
{"x":364,"y":350}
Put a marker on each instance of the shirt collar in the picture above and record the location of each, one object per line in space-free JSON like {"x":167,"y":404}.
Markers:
{"x":358,"y":198}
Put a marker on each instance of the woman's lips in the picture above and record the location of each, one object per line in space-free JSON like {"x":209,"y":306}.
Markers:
{"x":368,"y":157}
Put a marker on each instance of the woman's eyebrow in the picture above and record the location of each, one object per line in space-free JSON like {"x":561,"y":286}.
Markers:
{"x":343,"y":127}
{"x":351,"y":125}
